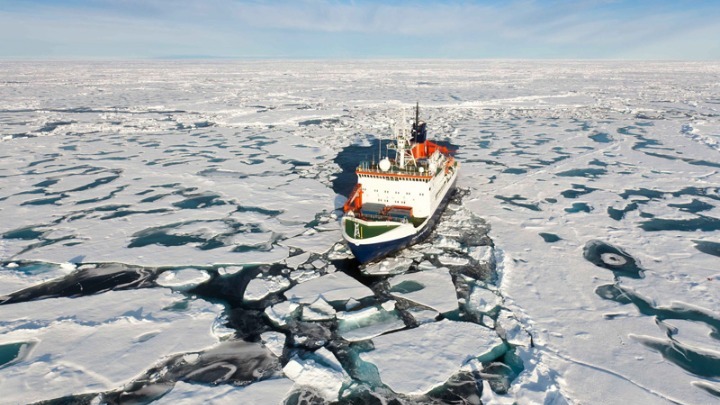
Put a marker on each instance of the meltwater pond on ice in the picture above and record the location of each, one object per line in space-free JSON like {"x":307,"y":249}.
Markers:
{"x":215,"y":198}
{"x":308,"y":334}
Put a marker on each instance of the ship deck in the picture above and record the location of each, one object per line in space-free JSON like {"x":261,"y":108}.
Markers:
{"x":409,"y":172}
{"x":381,"y":212}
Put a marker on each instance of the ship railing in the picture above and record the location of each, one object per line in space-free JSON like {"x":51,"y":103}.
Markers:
{"x":394,"y":169}
{"x":375,"y":217}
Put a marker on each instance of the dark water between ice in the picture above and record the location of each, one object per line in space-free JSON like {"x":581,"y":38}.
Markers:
{"x":244,"y":360}
{"x":703,"y":362}
{"x":351,"y":156}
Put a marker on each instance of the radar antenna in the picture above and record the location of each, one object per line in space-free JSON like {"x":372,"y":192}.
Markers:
{"x":417,"y":113}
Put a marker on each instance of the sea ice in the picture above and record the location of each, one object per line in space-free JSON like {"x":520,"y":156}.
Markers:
{"x":17,"y":277}
{"x":489,"y":397}
{"x":74,"y":338}
{"x":695,"y":334}
{"x":411,"y":254}
{"x":260,"y":287}
{"x":152,"y":164}
{"x":303,"y":275}
{"x":273,"y":391}
{"x":328,"y":358}
{"x":335,"y":287}
{"x":390,"y":265}
{"x":294,"y":261}
{"x":422,"y":315}
{"x":447,"y":243}
{"x":281,"y":313}
{"x":339,"y":252}
{"x":417,"y":360}
{"x":427,"y":249}
{"x":351,"y":303}
{"x":447,"y":260}
{"x":481,"y":300}
{"x":229,"y":270}
{"x":319,"y":264}
{"x":316,"y":242}
{"x":431,"y":288}
{"x":426,"y":265}
{"x":483,"y":254}
{"x":275,"y":341}
{"x":319,"y":310}
{"x":183,"y":279}
{"x":368,"y":322}
{"x":510,"y":329}
{"x":321,"y":372}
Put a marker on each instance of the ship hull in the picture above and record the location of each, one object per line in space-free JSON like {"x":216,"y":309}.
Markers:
{"x":370,"y":250}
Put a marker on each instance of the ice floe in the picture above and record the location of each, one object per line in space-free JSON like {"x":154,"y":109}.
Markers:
{"x":390,"y":265}
{"x":481,"y":300}
{"x":319,"y":310}
{"x":153,"y":164}
{"x":319,"y":370}
{"x":72,"y":340}
{"x":431,"y":288}
{"x":183,"y":279}
{"x":271,"y":392}
{"x":280,"y":313}
{"x":275,"y":341}
{"x":294,"y":261}
{"x":260,"y":287}
{"x":335,"y":287}
{"x":511,"y":330}
{"x":369,"y":322}
{"x":417,"y":360}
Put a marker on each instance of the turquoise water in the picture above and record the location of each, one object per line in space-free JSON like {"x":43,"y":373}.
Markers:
{"x":244,"y":361}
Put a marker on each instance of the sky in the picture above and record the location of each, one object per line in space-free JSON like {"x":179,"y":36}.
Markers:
{"x":343,"y":29}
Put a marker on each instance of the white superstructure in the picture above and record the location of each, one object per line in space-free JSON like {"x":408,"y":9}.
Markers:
{"x":396,"y":201}
{"x":414,"y":187}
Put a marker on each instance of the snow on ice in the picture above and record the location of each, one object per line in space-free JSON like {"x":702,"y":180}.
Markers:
{"x":335,"y":287}
{"x":72,"y":340}
{"x":271,"y":392}
{"x":320,"y":370}
{"x":368,"y":322}
{"x":183,"y":279}
{"x":598,"y":182}
{"x":418,"y":360}
{"x":431,"y":288}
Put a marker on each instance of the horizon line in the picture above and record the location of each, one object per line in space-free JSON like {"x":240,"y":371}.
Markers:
{"x":211,"y":58}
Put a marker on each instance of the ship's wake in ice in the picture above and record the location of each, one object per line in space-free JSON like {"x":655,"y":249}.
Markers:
{"x":336,"y":329}
{"x":170,"y":233}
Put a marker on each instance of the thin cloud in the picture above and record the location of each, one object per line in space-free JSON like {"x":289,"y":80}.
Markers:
{"x":468,"y":29}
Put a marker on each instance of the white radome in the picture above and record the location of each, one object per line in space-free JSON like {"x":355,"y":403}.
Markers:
{"x":567,"y":117}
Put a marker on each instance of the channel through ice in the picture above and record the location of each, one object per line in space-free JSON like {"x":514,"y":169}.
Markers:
{"x":169,"y":234}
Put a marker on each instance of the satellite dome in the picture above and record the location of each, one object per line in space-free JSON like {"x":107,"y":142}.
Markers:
{"x":385,"y":164}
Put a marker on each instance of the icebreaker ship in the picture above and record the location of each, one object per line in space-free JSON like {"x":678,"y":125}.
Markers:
{"x":396,"y":202}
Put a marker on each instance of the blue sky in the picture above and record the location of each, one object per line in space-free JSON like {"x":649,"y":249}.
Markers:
{"x":524,"y":29}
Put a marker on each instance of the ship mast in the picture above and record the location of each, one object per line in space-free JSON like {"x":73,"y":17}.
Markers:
{"x":404,"y":142}
{"x":401,"y":145}
{"x":417,"y":114}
